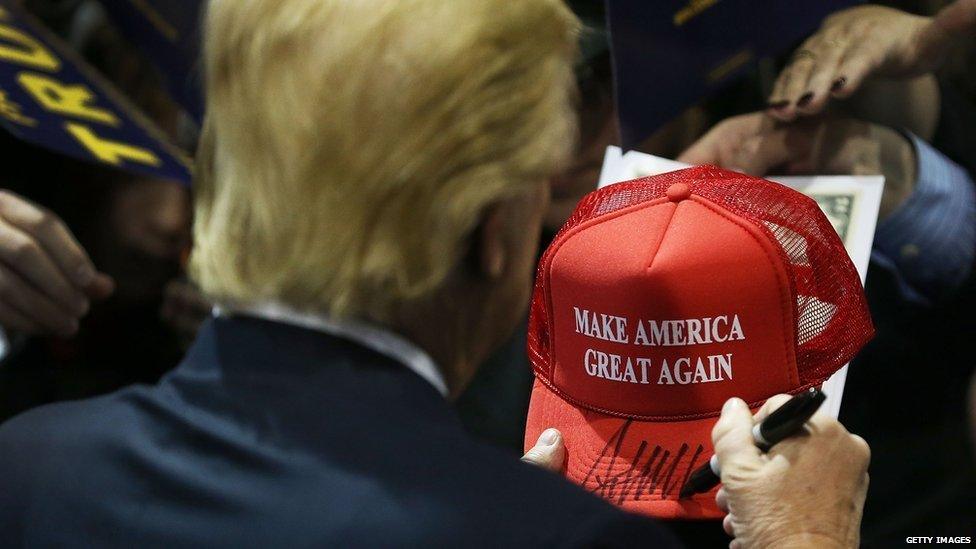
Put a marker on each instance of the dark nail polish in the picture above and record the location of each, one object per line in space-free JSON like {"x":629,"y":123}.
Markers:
{"x":805,"y":100}
{"x":838,"y":84}
{"x":777,"y":104}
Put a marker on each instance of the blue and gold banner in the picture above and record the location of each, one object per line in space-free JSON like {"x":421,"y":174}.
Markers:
{"x":670,"y":54}
{"x":168,"y":33}
{"x":50,"y":97}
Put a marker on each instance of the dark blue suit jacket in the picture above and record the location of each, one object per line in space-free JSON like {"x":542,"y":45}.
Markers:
{"x":268,"y":435}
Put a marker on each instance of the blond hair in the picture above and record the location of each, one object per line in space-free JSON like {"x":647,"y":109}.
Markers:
{"x":351,"y":146}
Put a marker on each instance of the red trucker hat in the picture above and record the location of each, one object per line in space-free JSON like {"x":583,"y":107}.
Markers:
{"x":664,"y":296}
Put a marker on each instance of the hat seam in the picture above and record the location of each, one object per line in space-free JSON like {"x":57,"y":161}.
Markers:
{"x":786,"y":304}
{"x":557,"y":245}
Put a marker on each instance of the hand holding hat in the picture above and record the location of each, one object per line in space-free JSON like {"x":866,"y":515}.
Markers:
{"x":806,"y":491}
{"x":548,"y":452}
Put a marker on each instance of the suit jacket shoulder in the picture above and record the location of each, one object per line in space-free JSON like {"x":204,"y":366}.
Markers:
{"x":271,"y":436}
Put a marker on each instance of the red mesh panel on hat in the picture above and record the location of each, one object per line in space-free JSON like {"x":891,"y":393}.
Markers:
{"x":833,"y":322}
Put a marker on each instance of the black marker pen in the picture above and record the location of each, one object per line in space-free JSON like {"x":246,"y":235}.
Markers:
{"x":785,"y":421}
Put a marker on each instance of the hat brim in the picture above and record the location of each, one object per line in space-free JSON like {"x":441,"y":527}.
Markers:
{"x":637,"y":465}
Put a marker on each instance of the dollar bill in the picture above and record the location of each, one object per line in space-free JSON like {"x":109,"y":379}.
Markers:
{"x":838,"y":208}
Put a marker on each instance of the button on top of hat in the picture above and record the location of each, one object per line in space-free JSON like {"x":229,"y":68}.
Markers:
{"x":678,"y":192}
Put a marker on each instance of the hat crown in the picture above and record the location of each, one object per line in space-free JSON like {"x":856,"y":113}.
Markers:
{"x":664,"y":296}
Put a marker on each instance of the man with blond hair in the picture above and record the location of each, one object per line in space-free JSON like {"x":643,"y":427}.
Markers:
{"x":371,"y":183}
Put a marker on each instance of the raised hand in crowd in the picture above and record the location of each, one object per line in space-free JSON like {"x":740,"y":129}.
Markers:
{"x":861,"y":42}
{"x":47,"y":280}
{"x":807,"y":491}
{"x":756,"y":144}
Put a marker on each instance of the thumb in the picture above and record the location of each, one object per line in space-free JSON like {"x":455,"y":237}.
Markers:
{"x":548,"y":451}
{"x":101,"y":287}
{"x":732,"y":437}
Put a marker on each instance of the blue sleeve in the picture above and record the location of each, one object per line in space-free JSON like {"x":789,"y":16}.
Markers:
{"x":929,"y":243}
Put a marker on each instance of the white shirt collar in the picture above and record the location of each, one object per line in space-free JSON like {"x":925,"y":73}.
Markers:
{"x":370,"y":336}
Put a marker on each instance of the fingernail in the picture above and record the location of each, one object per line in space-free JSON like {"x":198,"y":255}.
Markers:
{"x":732,"y":403}
{"x":777,"y":104}
{"x":84,"y":275}
{"x":83,"y":305}
{"x":803,"y":101}
{"x":548,"y":437}
{"x":838,"y":84}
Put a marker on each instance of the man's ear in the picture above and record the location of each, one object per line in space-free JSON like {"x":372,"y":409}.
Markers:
{"x":491,"y":252}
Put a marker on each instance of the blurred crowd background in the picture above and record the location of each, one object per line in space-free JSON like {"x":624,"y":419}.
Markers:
{"x":906,"y":394}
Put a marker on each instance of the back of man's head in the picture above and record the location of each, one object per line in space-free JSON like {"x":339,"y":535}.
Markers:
{"x":350,"y":147}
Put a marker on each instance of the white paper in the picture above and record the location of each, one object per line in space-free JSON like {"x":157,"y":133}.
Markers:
{"x":850,"y":202}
